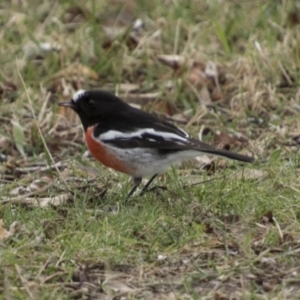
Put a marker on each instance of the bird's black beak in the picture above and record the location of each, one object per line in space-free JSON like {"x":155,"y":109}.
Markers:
{"x":67,"y":104}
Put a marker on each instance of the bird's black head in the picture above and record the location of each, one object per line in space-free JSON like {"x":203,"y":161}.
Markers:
{"x":92,"y":106}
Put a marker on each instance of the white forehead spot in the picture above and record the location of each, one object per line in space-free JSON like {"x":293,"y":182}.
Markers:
{"x":78,"y":95}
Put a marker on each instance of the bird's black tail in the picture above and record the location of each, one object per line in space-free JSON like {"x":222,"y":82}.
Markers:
{"x":229,"y":154}
{"x":205,"y":148}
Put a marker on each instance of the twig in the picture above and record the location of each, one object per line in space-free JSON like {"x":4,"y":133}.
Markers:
{"x":278,"y":229}
{"x":24,"y":281}
{"x":20,"y":198}
{"x":177,"y":34}
{"x":204,"y":181}
{"x":36,"y":123}
{"x":39,"y":168}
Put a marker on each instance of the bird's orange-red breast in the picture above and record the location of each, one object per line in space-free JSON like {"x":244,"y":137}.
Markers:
{"x":102,"y":153}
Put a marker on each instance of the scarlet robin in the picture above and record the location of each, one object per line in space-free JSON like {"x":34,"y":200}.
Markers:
{"x":133,"y":141}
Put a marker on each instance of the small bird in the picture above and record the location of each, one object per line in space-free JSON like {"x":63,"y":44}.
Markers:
{"x":133,"y":141}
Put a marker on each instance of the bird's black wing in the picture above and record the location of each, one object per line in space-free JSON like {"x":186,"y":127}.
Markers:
{"x":165,"y":143}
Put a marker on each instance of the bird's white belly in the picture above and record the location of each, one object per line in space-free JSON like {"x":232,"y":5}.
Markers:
{"x":147,"y":162}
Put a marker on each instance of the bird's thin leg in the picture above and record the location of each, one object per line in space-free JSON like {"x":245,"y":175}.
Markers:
{"x":147,"y":184}
{"x":137,"y":181}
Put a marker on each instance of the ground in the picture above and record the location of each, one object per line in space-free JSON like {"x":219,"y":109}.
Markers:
{"x":226,"y":72}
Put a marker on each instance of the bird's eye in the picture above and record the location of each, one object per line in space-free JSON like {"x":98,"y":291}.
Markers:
{"x":90,"y":102}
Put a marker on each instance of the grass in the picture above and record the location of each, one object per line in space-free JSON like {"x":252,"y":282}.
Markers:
{"x":213,"y":229}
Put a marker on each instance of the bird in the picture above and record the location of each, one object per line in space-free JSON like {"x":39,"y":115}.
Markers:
{"x":133,"y":141}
